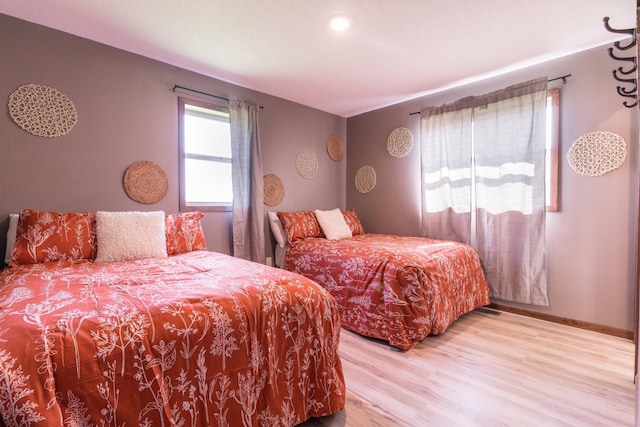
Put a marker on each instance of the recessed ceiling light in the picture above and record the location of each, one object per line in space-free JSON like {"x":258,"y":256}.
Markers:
{"x":339,"y":22}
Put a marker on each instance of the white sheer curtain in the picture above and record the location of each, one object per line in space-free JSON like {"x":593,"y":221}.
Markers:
{"x":246,"y":170}
{"x":506,"y":184}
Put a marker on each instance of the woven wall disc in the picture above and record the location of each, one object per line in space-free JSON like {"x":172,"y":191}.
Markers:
{"x":42,"y":110}
{"x":273,"y":190}
{"x":335,"y":147}
{"x":145,"y":182}
{"x":307,"y":163}
{"x":597,"y":153}
{"x":365,"y":179}
{"x":400,"y":142}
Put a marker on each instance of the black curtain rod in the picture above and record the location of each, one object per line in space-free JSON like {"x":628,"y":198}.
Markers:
{"x":200,"y":92}
{"x":203,"y":93}
{"x":563,"y":78}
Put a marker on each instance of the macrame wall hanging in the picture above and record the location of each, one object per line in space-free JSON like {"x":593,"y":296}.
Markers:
{"x":365,"y":179}
{"x":307,"y":163}
{"x":42,"y":111}
{"x":400,"y":142}
{"x":145,"y":182}
{"x":335,"y":147}
{"x":597,"y":153}
{"x":273,"y":190}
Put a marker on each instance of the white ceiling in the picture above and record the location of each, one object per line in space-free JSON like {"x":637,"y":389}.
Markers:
{"x":395,"y":50}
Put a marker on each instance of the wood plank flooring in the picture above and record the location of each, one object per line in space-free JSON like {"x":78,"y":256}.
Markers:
{"x":490,"y":368}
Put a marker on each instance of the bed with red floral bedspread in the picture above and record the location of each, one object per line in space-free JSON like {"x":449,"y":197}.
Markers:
{"x":396,"y":288}
{"x":192,"y":339}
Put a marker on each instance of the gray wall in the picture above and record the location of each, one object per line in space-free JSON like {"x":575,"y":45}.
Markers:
{"x":590,"y":241}
{"x":127,"y":112}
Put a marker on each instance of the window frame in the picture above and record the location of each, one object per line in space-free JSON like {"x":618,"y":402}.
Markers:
{"x":184,"y":207}
{"x":551,"y":200}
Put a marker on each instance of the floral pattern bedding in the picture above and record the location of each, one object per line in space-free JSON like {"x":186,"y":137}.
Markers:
{"x":196,"y":339}
{"x":395,"y":288}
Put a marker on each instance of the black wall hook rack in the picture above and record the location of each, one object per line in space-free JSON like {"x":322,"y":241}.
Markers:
{"x":628,"y":92}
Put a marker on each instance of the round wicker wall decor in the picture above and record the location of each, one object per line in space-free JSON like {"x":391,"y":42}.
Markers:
{"x":42,"y":110}
{"x":273,"y":190}
{"x":400,"y":142}
{"x":365,"y":179}
{"x":307,"y":163}
{"x":145,"y":182}
{"x":335,"y":147}
{"x":597,"y":153}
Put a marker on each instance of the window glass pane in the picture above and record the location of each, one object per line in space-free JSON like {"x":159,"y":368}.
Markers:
{"x":207,"y":135}
{"x":207,"y":182}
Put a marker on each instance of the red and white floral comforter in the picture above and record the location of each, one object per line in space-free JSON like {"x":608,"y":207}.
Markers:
{"x":197,"y":339}
{"x":399,"y":289}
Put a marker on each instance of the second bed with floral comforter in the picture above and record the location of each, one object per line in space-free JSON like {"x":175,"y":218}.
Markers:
{"x":395,"y":288}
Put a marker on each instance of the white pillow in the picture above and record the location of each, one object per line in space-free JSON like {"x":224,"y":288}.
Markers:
{"x":126,"y":236}
{"x":11,"y":237}
{"x":277,"y":229}
{"x":333,"y":224}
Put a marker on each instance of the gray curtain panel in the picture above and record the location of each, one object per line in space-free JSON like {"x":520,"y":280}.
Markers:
{"x":248,"y":190}
{"x":483,"y":162}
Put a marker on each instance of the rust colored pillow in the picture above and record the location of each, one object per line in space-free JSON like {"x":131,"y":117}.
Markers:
{"x":184,"y":233}
{"x":351,"y":217}
{"x":300,"y":225}
{"x":53,"y":236}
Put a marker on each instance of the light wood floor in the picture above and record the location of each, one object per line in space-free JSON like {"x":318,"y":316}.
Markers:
{"x":489,"y":368}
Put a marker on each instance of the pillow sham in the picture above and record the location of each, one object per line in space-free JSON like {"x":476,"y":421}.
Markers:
{"x":333,"y":224}
{"x":43,"y":236}
{"x":300,"y":225}
{"x":276,"y":229}
{"x":127,"y":236}
{"x":351,"y":217}
{"x":184,"y":233}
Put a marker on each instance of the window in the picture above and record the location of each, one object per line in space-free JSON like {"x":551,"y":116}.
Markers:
{"x":552,"y":138}
{"x":205,"y":157}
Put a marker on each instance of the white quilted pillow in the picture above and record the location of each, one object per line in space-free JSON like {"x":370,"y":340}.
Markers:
{"x":276,"y":229}
{"x":126,"y":236}
{"x":333,"y":224}
{"x":11,"y":237}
